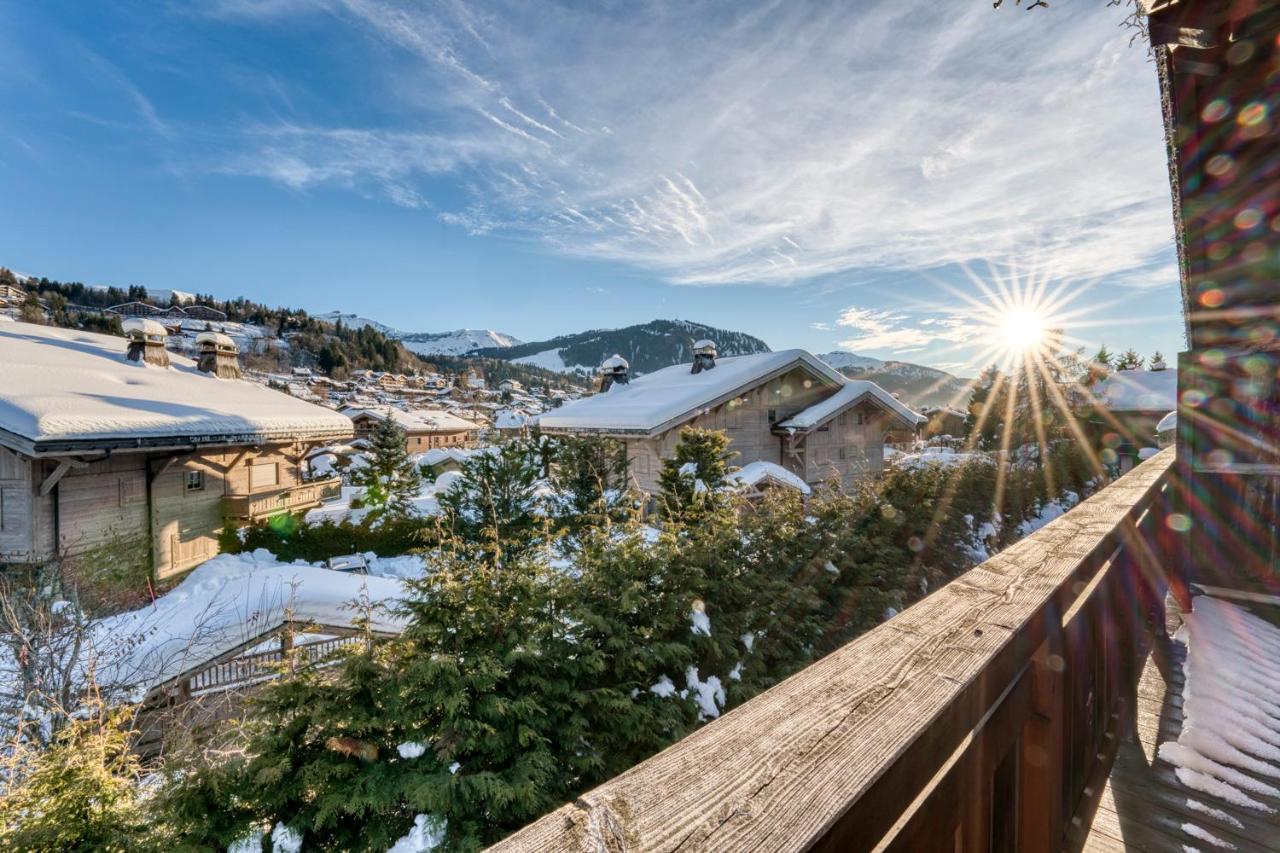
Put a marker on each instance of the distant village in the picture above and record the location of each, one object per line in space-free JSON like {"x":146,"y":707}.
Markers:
{"x":259,"y":443}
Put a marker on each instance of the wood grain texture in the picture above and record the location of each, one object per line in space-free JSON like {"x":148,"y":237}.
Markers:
{"x":853,"y":739}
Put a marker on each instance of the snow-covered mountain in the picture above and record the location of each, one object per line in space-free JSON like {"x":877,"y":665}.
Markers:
{"x":916,"y":384}
{"x":355,"y":321}
{"x":648,"y":347}
{"x":457,"y":342}
{"x":840,"y":359}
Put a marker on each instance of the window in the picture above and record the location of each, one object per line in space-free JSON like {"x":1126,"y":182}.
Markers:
{"x":193,"y":481}
{"x":843,"y":453}
{"x":844,"y":418}
{"x":263,"y":475}
{"x":773,"y":415}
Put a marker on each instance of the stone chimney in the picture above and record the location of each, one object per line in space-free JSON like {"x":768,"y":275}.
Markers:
{"x":146,"y":341}
{"x":614,"y":371}
{"x":704,"y":355}
{"x":217,"y":355}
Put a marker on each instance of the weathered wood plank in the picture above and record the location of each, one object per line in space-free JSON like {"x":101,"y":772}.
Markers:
{"x":852,"y":739}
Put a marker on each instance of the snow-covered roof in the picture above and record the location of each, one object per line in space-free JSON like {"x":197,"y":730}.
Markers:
{"x":1168,"y":423}
{"x":227,"y":602}
{"x":510,"y":419}
{"x":753,"y":473}
{"x":64,"y":389}
{"x":658,"y":401}
{"x":418,"y":420}
{"x":1138,"y":391}
{"x":853,"y":391}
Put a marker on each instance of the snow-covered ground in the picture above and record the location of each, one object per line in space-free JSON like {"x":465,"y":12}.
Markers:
{"x":229,"y":600}
{"x":945,"y":456}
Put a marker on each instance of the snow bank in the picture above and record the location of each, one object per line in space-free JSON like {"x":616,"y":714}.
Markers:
{"x":945,"y":457}
{"x":222,"y":604}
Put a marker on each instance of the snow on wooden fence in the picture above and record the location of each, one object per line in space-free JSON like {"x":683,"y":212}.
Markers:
{"x":985,"y":717}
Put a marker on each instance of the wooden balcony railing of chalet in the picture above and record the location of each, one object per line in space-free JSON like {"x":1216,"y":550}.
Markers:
{"x":306,"y":494}
{"x":985,"y":717}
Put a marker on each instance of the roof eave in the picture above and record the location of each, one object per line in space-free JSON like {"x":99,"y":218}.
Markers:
{"x":39,"y":448}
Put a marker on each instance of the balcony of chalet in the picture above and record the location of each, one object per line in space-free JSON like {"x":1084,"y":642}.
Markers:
{"x":1111,"y":682}
{"x":260,"y":505}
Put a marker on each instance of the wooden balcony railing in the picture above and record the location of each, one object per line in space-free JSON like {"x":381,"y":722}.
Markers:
{"x":302,"y":496}
{"x":985,"y":717}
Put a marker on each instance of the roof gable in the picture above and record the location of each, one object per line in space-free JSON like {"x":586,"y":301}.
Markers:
{"x":854,"y":392}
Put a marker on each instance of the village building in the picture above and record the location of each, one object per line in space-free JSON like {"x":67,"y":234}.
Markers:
{"x":117,"y":450}
{"x":788,"y":408}
{"x":424,"y":429}
{"x":12,"y":295}
{"x":943,"y":421}
{"x":1123,"y":411}
{"x":511,"y":423}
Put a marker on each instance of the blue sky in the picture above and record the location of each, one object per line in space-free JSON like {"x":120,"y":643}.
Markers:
{"x":821,"y":175}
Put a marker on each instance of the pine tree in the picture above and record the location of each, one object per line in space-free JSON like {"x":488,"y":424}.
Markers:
{"x":1130,"y":360}
{"x":982,"y":422}
{"x":79,"y":794}
{"x":494,"y":509}
{"x":390,"y":479}
{"x":692,"y":481}
{"x":589,"y":480}
{"x":1157,"y":362}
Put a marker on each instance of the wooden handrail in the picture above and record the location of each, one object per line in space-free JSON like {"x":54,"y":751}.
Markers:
{"x":976,"y":719}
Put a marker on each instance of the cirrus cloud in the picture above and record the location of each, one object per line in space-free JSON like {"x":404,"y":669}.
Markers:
{"x":718,"y":143}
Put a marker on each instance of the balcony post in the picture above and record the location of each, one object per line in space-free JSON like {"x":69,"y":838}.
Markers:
{"x":1040,"y":813}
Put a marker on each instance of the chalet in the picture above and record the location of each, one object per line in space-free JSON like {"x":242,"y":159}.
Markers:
{"x":511,"y":423}
{"x":788,"y":408}
{"x":171,"y":312}
{"x":12,"y":295}
{"x":118,"y":446}
{"x":424,"y":428}
{"x":1124,"y":410}
{"x":943,"y":420}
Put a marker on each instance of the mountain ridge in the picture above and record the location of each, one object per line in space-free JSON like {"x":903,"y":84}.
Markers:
{"x":647,"y":346}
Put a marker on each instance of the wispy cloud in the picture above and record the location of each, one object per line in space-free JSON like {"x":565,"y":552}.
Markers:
{"x":900,"y":331}
{"x":768,"y":144}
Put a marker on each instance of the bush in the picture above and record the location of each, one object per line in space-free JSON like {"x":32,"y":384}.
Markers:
{"x":288,"y":537}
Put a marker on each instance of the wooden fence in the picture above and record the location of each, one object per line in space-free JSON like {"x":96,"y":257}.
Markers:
{"x":985,"y":717}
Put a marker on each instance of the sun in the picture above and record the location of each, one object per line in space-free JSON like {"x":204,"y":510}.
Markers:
{"x":1021,"y":330}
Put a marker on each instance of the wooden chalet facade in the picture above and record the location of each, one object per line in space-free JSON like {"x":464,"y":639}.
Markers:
{"x":146,"y":470}
{"x":424,"y":429}
{"x":1026,"y":705}
{"x":788,"y":408}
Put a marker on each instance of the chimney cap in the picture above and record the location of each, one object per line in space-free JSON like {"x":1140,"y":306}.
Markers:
{"x":705,"y":345}
{"x":216,"y":338}
{"x":141,"y":327}
{"x":615,"y":362}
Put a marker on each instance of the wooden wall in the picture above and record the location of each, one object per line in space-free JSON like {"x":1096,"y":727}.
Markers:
{"x":130,"y":502}
{"x":18,"y":541}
